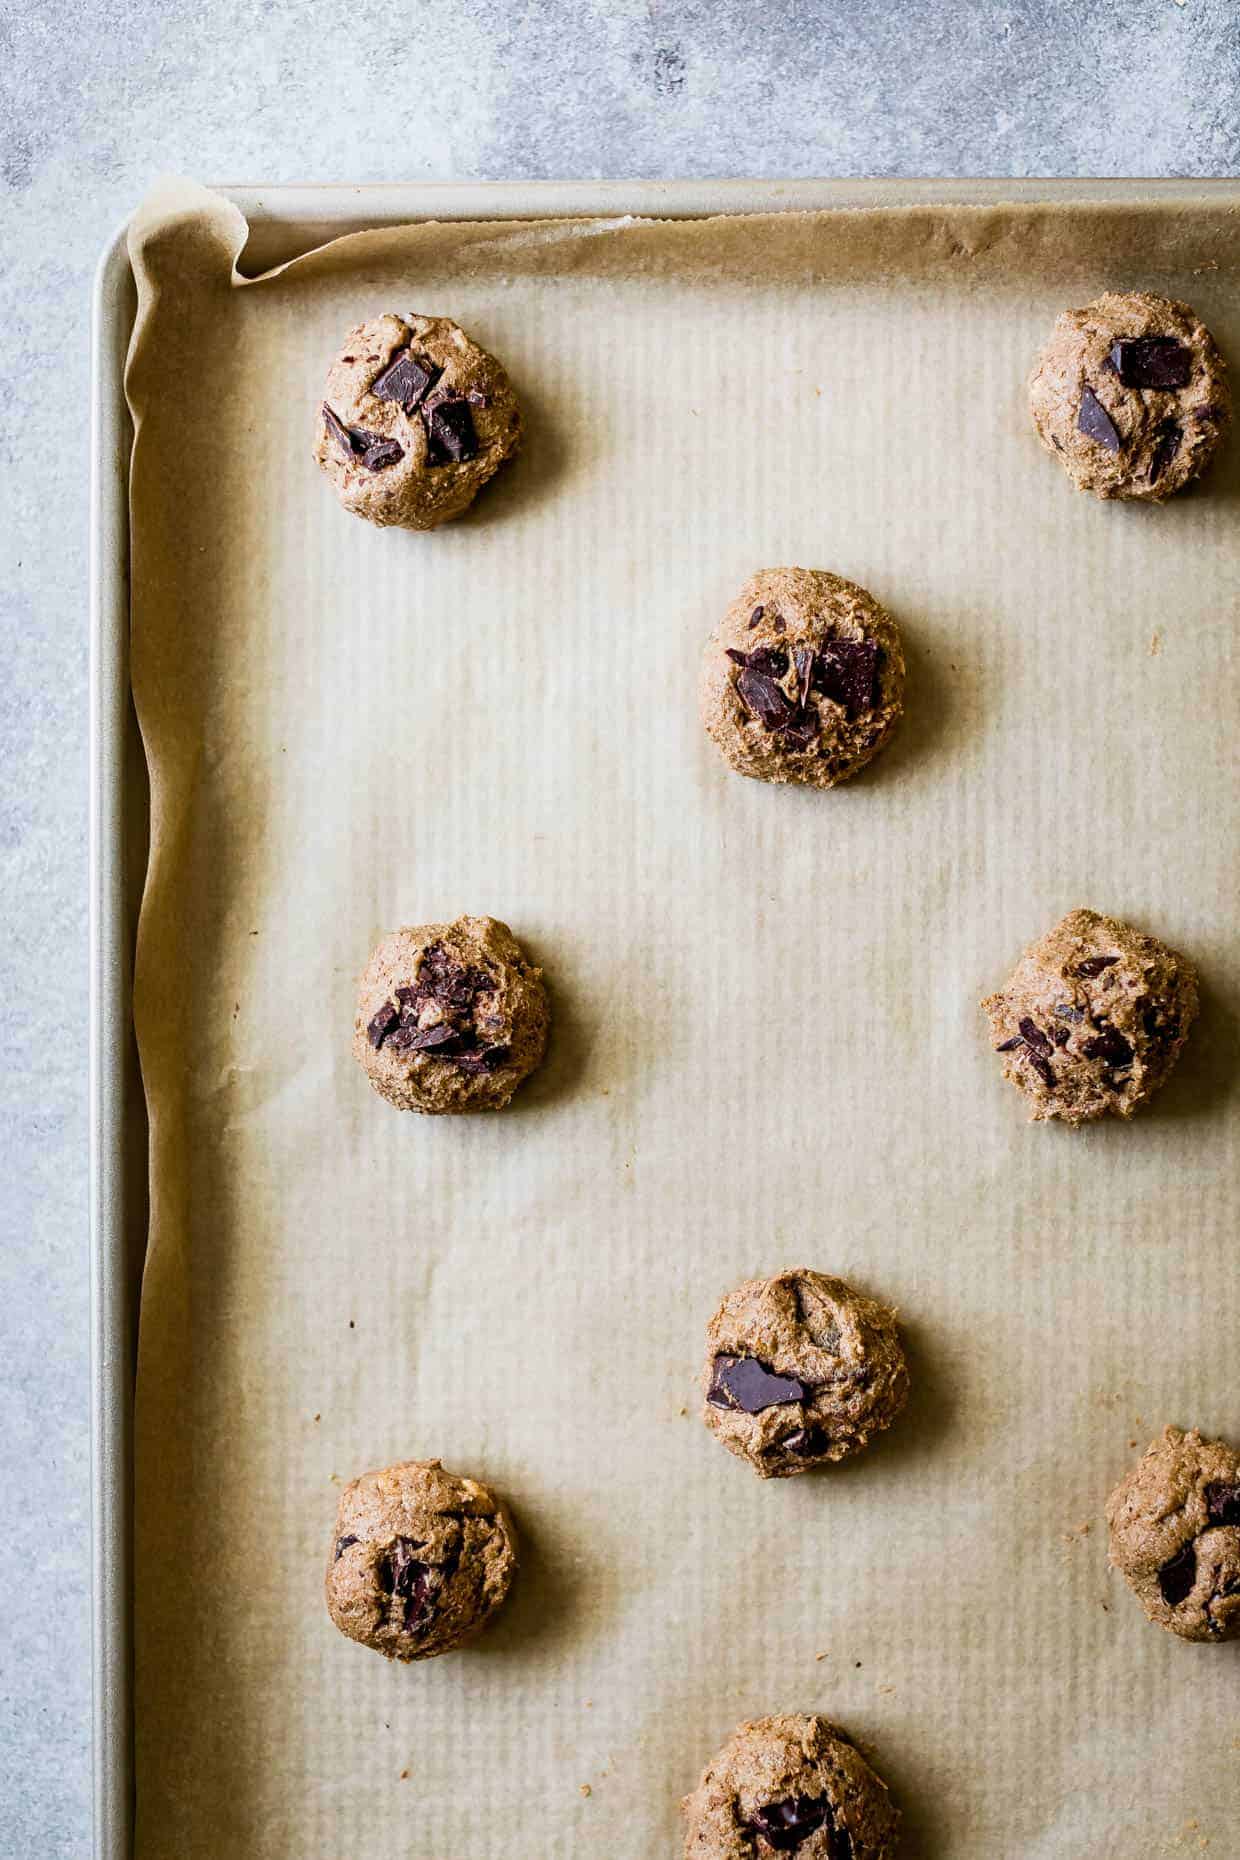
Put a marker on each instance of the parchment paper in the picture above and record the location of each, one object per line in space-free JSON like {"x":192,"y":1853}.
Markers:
{"x":767,"y":1048}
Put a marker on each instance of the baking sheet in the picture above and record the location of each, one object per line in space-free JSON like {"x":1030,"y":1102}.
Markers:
{"x":767,"y":1049}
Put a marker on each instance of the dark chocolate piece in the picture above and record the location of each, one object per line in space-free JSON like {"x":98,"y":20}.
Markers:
{"x":448,"y":981}
{"x":407,"y":380}
{"x":1152,"y":362}
{"x":407,"y":1579}
{"x":1094,"y":965}
{"x":802,"y":733}
{"x":342,"y":1544}
{"x":1157,"y":1025}
{"x":340,"y":433}
{"x":761,"y":695}
{"x":755,"y":616}
{"x":846,"y":671}
{"x":1032,"y":1044}
{"x":414,"y":1039}
{"x":1178,"y":1574}
{"x":1095,"y":422}
{"x":1109,"y":1045}
{"x":450,"y":434}
{"x":772,"y":660}
{"x":1165,"y":450}
{"x":382,"y":453}
{"x":807,"y":1442}
{"x":1223,"y":1504}
{"x":744,"y":1382}
{"x":481,"y":1058}
{"x":382,"y":1024}
{"x":784,"y":1825}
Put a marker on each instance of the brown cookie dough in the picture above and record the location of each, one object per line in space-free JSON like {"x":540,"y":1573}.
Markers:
{"x":799,"y":1370}
{"x":1131,"y":396}
{"x":790,"y":1784}
{"x":1092,"y":1018}
{"x":1175,"y":1535}
{"x":803,"y":679}
{"x":415,"y":419}
{"x":420,"y":1560}
{"x":450,"y":1017}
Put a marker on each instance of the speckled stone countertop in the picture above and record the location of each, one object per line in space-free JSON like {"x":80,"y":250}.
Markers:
{"x":99,"y":99}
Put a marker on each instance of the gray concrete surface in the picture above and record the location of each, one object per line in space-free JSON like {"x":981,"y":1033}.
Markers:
{"x":96,"y":99}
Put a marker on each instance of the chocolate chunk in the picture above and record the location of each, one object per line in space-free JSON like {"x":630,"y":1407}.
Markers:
{"x":744,"y":1382}
{"x":755,"y":616}
{"x":426,"y":1039}
{"x":846,"y":672}
{"x":764,"y":698}
{"x":737,"y":657}
{"x":450,"y":433}
{"x":382,"y":453}
{"x":1178,"y":1574}
{"x":1067,"y":1011}
{"x":1060,"y":1035}
{"x":1109,"y":1045}
{"x":1158,"y":1026}
{"x":408,"y":1579}
{"x":340,"y":433}
{"x":1033,"y":1046}
{"x":784,"y":1825}
{"x":1152,"y":362}
{"x":342,"y":1544}
{"x":1094,"y":965}
{"x":807,"y":1442}
{"x":448,"y":981}
{"x":777,"y":624}
{"x":1095,"y":422}
{"x":771,"y":660}
{"x":802,"y":733}
{"x":382,"y":1024}
{"x":481,"y":1058}
{"x":1165,"y":450}
{"x":1223,"y":1504}
{"x":407,"y":380}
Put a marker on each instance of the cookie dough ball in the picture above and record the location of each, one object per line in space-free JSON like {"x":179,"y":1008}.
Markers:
{"x":800,"y":1369}
{"x":803,"y":680}
{"x":420,"y":1560}
{"x":415,"y":419}
{"x":792,"y":1783}
{"x":1175,"y":1535}
{"x":1092,"y":1018}
{"x":450,"y":1017}
{"x":1131,"y":395}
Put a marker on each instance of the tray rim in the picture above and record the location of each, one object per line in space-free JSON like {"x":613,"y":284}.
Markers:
{"x":285,"y":219}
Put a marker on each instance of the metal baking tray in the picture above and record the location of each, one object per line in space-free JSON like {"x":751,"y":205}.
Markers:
{"x":283,"y":221}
